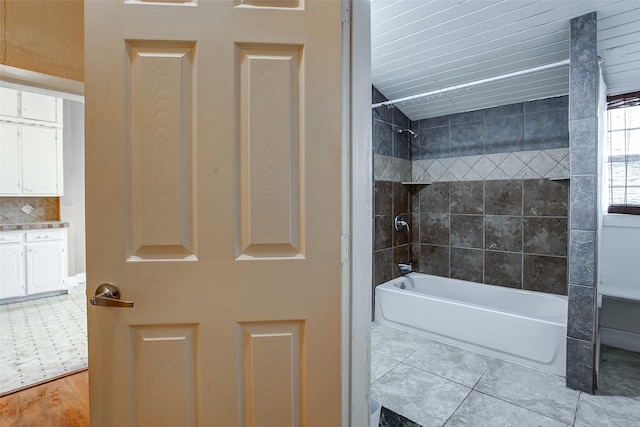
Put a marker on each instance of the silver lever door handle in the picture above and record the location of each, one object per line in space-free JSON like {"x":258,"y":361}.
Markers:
{"x":108,"y":295}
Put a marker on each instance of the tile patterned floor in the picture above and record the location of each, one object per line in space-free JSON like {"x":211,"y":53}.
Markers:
{"x":41,"y":339}
{"x":435,"y":384}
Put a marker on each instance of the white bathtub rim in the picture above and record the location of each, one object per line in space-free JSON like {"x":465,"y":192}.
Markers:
{"x":561,"y":318}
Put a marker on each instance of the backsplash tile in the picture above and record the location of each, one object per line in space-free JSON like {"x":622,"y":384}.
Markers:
{"x":44,"y":209}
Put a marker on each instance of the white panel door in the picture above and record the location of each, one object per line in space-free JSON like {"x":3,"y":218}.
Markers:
{"x":213,"y":133}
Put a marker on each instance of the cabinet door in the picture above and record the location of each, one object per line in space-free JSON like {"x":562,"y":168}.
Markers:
{"x":37,"y":106}
{"x":45,"y":267}
{"x":11,"y":271}
{"x":9,"y":104}
{"x":39,"y":160}
{"x":9,"y":159}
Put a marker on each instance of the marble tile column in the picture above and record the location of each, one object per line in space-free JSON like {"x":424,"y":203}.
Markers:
{"x":583,"y":143}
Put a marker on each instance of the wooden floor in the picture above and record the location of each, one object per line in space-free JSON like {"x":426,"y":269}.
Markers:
{"x":59,"y":403}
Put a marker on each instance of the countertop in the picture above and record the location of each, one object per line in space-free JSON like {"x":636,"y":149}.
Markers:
{"x":34,"y":225}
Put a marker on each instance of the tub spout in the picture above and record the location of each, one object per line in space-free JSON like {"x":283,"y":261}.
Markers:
{"x":405,"y":268}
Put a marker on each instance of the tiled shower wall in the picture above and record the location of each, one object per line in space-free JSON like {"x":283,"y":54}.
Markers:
{"x":488,"y":216}
{"x":505,"y":232}
{"x":392,"y":166}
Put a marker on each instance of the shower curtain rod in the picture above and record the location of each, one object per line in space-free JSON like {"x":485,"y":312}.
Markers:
{"x":474,"y":83}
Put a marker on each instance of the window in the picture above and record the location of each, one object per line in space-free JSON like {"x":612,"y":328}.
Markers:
{"x":623,"y":161}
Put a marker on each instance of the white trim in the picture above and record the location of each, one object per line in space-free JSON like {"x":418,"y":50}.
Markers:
{"x":620,"y":220}
{"x":620,"y":339}
{"x":360,"y":159}
{"x":18,"y":78}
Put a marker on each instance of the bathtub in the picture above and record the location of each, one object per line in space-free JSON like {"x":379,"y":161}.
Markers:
{"x":524,"y":327}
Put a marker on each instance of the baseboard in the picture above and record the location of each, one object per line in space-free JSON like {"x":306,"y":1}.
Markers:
{"x":81,"y":278}
{"x":77,"y":280}
{"x":620,"y":339}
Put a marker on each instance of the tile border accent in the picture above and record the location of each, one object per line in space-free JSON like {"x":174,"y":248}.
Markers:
{"x":536,"y":164}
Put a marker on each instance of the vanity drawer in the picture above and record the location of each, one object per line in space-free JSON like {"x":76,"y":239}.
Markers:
{"x":44,"y":235}
{"x":10,"y":238}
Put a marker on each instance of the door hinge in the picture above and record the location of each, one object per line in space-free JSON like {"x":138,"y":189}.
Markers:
{"x":345,"y":248}
{"x":345,"y":14}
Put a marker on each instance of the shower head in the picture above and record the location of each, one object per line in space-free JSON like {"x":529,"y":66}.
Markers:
{"x":401,"y":130}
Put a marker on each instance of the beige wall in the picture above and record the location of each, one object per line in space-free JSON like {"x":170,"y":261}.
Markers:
{"x":46,"y":36}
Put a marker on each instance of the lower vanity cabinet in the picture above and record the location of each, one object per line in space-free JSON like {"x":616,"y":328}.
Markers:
{"x":12,"y":282}
{"x":36,"y":265}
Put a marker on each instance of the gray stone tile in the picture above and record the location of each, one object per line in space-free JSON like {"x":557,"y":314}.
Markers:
{"x":504,"y":110}
{"x":466,"y":231}
{"x":504,"y":134}
{"x":583,"y":202}
{"x":466,"y":139}
{"x":383,"y":228}
{"x":433,"y":122}
{"x":400,"y":255}
{"x":394,"y":343}
{"x":546,"y":129}
{"x":402,"y":144}
{"x":545,"y":274}
{"x":583,"y":78}
{"x":382,"y":138}
{"x":503,"y":269}
{"x":434,"y":260}
{"x":466,"y":197}
{"x":453,"y":363}
{"x":383,"y":113}
{"x":584,"y":144}
{"x":435,"y":142}
{"x":545,"y":236}
{"x":434,"y":229}
{"x":400,"y":119}
{"x":503,"y":233}
{"x":503,"y":197}
{"x":380,"y":365}
{"x":466,"y":264}
{"x":383,"y":197}
{"x":581,"y":312}
{"x":607,"y":411}
{"x":400,"y":198}
{"x":542,"y":197}
{"x":434,"y":198}
{"x":482,"y":410}
{"x":582,"y":256}
{"x":470,"y":116}
{"x":418,"y":395}
{"x":535,"y":390}
{"x":556,"y":103}
{"x":580,"y":365}
{"x":584,"y":31}
{"x":382,"y":266}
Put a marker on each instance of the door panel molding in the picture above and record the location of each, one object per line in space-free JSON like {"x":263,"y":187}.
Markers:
{"x":271,"y":149}
{"x":160,"y":92}
{"x":162,"y":367}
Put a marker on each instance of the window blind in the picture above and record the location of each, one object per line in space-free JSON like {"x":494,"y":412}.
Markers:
{"x":623,"y":160}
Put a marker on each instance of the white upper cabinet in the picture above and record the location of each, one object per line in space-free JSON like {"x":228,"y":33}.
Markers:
{"x":39,"y":107}
{"x":10,"y":179}
{"x":8,"y":102}
{"x":40,"y":160}
{"x":31,"y":144}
